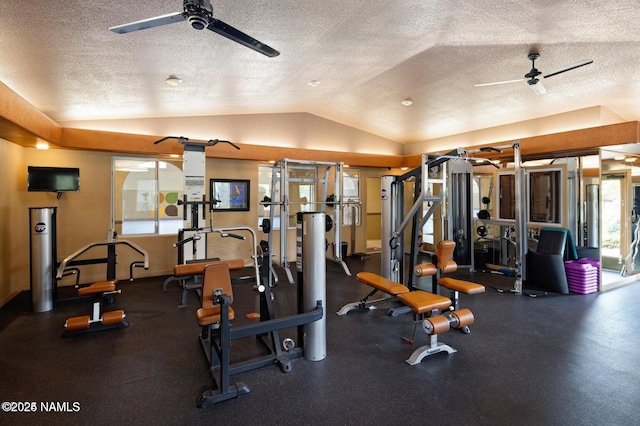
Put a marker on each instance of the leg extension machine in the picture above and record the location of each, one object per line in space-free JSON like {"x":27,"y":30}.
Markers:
{"x":101,"y":292}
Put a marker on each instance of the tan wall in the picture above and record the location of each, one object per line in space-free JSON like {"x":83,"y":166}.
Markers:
{"x":14,"y":235}
{"x":84,"y":217}
{"x":373,"y":208}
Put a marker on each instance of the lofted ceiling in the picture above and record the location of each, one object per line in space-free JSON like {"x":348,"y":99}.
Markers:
{"x":367,"y":56}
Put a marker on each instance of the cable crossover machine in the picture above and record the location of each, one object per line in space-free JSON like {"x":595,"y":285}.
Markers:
{"x":280,"y":180}
{"x":441,"y":181}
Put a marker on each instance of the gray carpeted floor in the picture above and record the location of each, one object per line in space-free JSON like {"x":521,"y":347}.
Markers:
{"x":553,"y":360}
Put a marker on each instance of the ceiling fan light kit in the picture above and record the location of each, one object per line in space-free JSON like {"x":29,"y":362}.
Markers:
{"x":199,"y":14}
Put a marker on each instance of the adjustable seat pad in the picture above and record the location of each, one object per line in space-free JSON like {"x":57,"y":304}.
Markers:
{"x":215,"y":277}
{"x":422,"y":301}
{"x":211,"y":316}
{"x":98,"y":287}
{"x":466,"y":287}
{"x":385,"y":285}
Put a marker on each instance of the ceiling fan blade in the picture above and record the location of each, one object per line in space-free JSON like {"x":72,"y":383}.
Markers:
{"x":538,"y":88}
{"x":238,"y":36}
{"x":150,"y":23}
{"x":571,"y":67}
{"x":499,"y":82}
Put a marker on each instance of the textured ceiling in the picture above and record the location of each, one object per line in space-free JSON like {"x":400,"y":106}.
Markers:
{"x":368,"y":56}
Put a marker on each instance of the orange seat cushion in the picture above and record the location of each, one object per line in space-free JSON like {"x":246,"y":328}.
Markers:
{"x":422,"y":301}
{"x":374,"y":280}
{"x":211,"y":316}
{"x":466,"y":287}
{"x":98,"y":287}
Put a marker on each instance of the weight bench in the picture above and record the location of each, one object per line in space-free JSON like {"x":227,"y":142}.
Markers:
{"x":100,"y":291}
{"x":189,"y":275}
{"x":431,"y":309}
{"x":388,"y":287}
{"x":444,"y":264}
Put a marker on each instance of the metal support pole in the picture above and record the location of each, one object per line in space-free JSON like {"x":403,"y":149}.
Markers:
{"x":521,"y":219}
{"x":314,"y":271}
{"x":389,"y":203}
{"x":284,"y":216}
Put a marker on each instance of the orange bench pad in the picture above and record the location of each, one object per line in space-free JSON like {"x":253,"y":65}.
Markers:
{"x":466,"y":287}
{"x":425,"y":269}
{"x":374,"y":280}
{"x":98,"y":287}
{"x":211,"y":316}
{"x":422,"y":301}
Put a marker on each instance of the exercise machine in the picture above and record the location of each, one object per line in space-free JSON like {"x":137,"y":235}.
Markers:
{"x":194,"y":201}
{"x":518,"y":230}
{"x":436,"y":313}
{"x":280,"y":180}
{"x":442,"y":182}
{"x":101,"y":292}
{"x":216,"y":314}
{"x":110,"y":259}
{"x":189,"y":275}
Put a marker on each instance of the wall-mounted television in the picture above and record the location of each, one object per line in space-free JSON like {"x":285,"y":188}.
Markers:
{"x":53,"y":179}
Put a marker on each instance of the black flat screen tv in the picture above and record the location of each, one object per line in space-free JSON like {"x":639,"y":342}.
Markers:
{"x":53,"y":179}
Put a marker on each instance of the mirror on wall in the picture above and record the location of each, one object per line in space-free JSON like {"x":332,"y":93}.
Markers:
{"x":506,"y":195}
{"x":545,"y":196}
{"x":605,"y":200}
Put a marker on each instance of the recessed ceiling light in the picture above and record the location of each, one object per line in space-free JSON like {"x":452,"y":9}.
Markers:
{"x":313,"y":83}
{"x":173,"y":81}
{"x":42,"y":145}
{"x":407,"y":102}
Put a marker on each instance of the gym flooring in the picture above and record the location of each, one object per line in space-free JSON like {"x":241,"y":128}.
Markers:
{"x":548,"y":360}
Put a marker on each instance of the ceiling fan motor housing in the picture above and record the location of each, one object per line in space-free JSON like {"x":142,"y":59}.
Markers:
{"x":198,"y":22}
{"x":200,"y":13}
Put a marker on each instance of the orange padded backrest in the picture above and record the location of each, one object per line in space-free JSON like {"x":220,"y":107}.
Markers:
{"x":444,"y":253}
{"x":215,"y":277}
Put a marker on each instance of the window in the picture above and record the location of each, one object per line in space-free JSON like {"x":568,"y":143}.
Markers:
{"x":264,"y":190}
{"x":145,"y":196}
{"x":302,"y":186}
{"x":351,"y":197}
{"x":482,"y":194}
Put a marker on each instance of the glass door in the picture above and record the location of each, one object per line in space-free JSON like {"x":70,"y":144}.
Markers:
{"x":615,"y":219}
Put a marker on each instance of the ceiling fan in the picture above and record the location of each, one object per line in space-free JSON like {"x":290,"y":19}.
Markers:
{"x":199,"y":13}
{"x":532,"y":76}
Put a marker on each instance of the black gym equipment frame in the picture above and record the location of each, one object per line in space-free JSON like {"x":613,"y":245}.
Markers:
{"x":217,"y":346}
{"x":216,"y":342}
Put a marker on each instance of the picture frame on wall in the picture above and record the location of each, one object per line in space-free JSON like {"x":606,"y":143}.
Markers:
{"x":233,"y":195}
